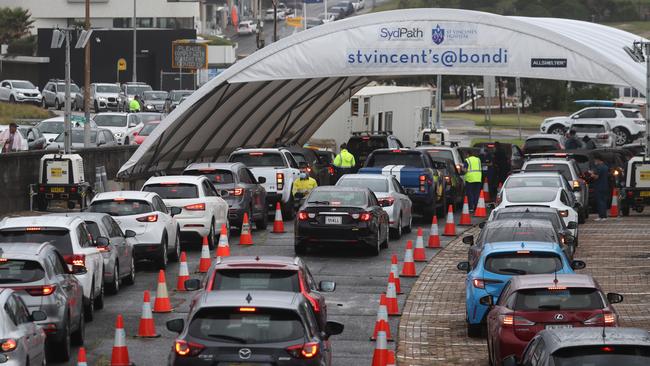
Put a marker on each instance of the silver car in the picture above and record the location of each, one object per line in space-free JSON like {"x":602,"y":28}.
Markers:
{"x":100,"y":137}
{"x":391,"y":196}
{"x":22,"y":341}
{"x":154,"y":100}
{"x":54,"y":94}
{"x":39,"y":275}
{"x":104,"y":97}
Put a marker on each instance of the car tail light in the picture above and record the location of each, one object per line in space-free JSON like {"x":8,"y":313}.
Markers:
{"x":639,"y":121}
{"x":195,"y":207}
{"x":511,"y":320}
{"x":609,"y":319}
{"x":630,"y":194}
{"x":365,"y":216}
{"x":8,"y":345}
{"x":237,"y":191}
{"x":423,"y":180}
{"x":564,"y":213}
{"x":247,"y":310}
{"x":481,"y":282}
{"x":41,"y":189}
{"x":41,"y":290}
{"x":73,"y":189}
{"x":75,"y":259}
{"x":302,"y":215}
{"x":187,"y":349}
{"x":307,"y":350}
{"x":330,"y":170}
{"x":602,"y":136}
{"x":388,"y":201}
{"x":148,"y":218}
{"x":305,"y":293}
{"x":279,"y":178}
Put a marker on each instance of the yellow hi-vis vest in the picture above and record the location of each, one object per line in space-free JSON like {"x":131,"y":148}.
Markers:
{"x":474,"y":172}
{"x":344,"y":159}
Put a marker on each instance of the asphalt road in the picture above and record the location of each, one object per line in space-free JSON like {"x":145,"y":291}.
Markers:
{"x":360,"y":279}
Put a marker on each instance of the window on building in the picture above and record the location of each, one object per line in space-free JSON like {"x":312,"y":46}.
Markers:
{"x":366,"y":107}
{"x":354,"y":107}
{"x":425,"y":117}
{"x":388,"y":121}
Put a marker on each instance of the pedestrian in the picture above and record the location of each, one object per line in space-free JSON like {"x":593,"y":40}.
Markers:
{"x":134,"y":104}
{"x":344,"y":161}
{"x":601,"y":186}
{"x":589,"y":144}
{"x":473,"y":179}
{"x":572,"y":142}
{"x":304,"y":185}
{"x":502,"y":164}
{"x":11,"y":140}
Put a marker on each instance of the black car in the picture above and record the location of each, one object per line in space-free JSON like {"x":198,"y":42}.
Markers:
{"x":34,"y":137}
{"x":362,"y":144}
{"x":309,"y":161}
{"x":245,"y":193}
{"x":326,"y":160}
{"x":341,"y":215}
{"x":251,"y":328}
{"x":347,"y":5}
{"x":487,"y":152}
{"x":454,"y":184}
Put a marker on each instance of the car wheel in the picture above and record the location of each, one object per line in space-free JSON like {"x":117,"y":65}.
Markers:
{"x":625,"y":210}
{"x":582,"y":216}
{"x":89,"y":306}
{"x":396,"y":233}
{"x":42,"y":204}
{"x":130,"y":279}
{"x":99,"y":300}
{"x":557,"y":130}
{"x":176,"y":254}
{"x":96,"y":107}
{"x":114,"y":286}
{"x":162,"y":259}
{"x":263,"y":221}
{"x":211,"y":237}
{"x":57,"y":105}
{"x":474,"y":330}
{"x":622,"y":136}
{"x":61,"y":349}
{"x":409,"y":227}
{"x":43,"y":104}
{"x":78,"y":337}
{"x":71,"y":205}
{"x":12,"y":99}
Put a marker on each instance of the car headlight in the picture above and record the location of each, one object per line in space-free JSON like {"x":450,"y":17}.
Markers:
{"x":102,"y":99}
{"x":21,"y":94}
{"x":150,"y":107}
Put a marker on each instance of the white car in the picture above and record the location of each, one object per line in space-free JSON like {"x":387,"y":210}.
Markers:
{"x":157,"y":234}
{"x":358,"y":4}
{"x":391,"y":196}
{"x":19,"y":91}
{"x":22,"y":340}
{"x":627,"y":124}
{"x":73,"y":240}
{"x":123,"y":125}
{"x":53,"y":127}
{"x":446,"y":152}
{"x":269,"y":15}
{"x":204,"y":211}
{"x":539,"y":196}
{"x":599,"y":131}
{"x":246,"y":27}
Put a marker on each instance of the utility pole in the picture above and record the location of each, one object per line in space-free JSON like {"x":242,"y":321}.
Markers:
{"x":438,"y":100}
{"x":67,"y":141}
{"x":135,"y":44}
{"x":275,"y":20}
{"x":87,"y":80}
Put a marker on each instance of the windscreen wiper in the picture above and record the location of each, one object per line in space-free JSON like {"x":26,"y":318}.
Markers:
{"x":320,"y":202}
{"x":227,"y":337}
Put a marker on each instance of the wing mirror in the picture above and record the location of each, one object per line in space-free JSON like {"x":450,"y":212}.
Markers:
{"x":193,"y":284}
{"x":614,"y":298}
{"x":38,"y":316}
{"x":176,"y":325}
{"x":261,"y":180}
{"x":578,"y":265}
{"x":481,"y":224}
{"x":224,"y":193}
{"x":463,"y":266}
{"x":510,"y":361}
{"x":327,"y":286}
{"x":486,"y":300}
{"x":129,"y":234}
{"x":175,"y":211}
{"x":572,"y":225}
{"x":102,"y":242}
{"x":469,"y":240}
{"x":333,"y":328}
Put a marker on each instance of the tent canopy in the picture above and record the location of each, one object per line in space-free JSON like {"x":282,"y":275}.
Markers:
{"x":282,"y":94}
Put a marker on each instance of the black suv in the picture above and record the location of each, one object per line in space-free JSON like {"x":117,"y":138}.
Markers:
{"x":362,"y":144}
{"x":251,"y":327}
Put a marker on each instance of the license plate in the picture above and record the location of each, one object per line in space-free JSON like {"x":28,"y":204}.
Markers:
{"x":644,"y":194}
{"x":333,"y":220}
{"x":57,"y":189}
{"x":558,"y":326}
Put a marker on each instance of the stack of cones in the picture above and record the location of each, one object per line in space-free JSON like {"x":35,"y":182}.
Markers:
{"x":245,"y":238}
{"x":223,"y":249}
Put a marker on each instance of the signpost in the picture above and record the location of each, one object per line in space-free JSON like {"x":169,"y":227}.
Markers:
{"x":189,"y":54}
{"x":295,"y":21}
{"x":121,"y":66}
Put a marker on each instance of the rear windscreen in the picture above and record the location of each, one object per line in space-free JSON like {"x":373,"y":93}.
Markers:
{"x":380,"y":159}
{"x":216,"y":176}
{"x":366,"y":145}
{"x":519,"y":233}
{"x":121,"y":207}
{"x":258,"y":159}
{"x":256,"y":279}
{"x":523,"y":262}
{"x":59,"y":238}
{"x":550,"y":167}
{"x":541,"y":143}
{"x":552,"y":298}
{"x":444,"y":154}
{"x":602,"y":355}
{"x":338,"y":198}
{"x":519,"y":195}
{"x":518,"y":182}
{"x":375,"y":185}
{"x":20,"y":271}
{"x":247,"y":326}
{"x":173,"y":190}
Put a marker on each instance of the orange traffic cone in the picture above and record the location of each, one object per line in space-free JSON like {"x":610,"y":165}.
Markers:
{"x":450,"y":225}
{"x":390,"y":358}
{"x":206,"y":261}
{"x":395,"y":271}
{"x":278,"y":224}
{"x":147,"y":329}
{"x":486,"y":190}
{"x":408,"y":268}
{"x":245,"y":238}
{"x":223,"y":249}
{"x":391,"y":297}
{"x":81,"y":357}
{"x":613,"y":210}
{"x":434,"y":237}
{"x":465,"y":219}
{"x":162,"y":304}
{"x":120,"y":354}
{"x":418,"y":253}
{"x":480,"y":207}
{"x":183,"y":273}
{"x":380,"y":355}
{"x":382,"y":319}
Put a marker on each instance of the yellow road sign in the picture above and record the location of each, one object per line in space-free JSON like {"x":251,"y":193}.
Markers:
{"x":121,"y":65}
{"x":295,"y":21}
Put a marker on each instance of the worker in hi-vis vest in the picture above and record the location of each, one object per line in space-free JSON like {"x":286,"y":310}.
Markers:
{"x":344,"y":161}
{"x":473,"y":180}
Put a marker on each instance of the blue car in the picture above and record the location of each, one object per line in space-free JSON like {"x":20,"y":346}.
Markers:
{"x":498,"y":263}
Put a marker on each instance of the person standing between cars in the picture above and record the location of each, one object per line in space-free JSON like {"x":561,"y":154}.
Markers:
{"x":344,"y":161}
{"x":473,"y":179}
{"x":304,"y":185}
{"x":572,"y":142}
{"x":134,"y":104}
{"x":501,"y":162}
{"x":12,"y":140}
{"x":601,"y":186}
{"x":589,"y":143}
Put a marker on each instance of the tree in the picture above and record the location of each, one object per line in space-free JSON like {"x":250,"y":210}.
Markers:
{"x":14,"y":24}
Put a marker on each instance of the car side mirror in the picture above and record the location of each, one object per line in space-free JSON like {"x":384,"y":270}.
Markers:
{"x":50,"y":140}
{"x":193,"y":284}
{"x":176,"y":325}
{"x":224,"y":193}
{"x":102,"y":242}
{"x":327,"y":286}
{"x":569,"y":239}
{"x":79,"y":270}
{"x":175,"y":211}
{"x":463,"y":266}
{"x":135,"y":133}
{"x":614,"y":298}
{"x":481,"y":224}
{"x":129,"y":234}
{"x":578,"y":265}
{"x":572,"y":225}
{"x":38,"y":315}
{"x":333,"y":328}
{"x":261,"y":180}
{"x":510,"y":361}
{"x":486,"y":300}
{"x":469,"y":240}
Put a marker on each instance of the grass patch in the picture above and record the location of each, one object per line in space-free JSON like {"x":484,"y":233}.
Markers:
{"x":506,"y":120}
{"x":11,"y":112}
{"x":389,"y":5}
{"x":640,"y":28}
{"x":517,"y":142}
{"x":216,"y":41}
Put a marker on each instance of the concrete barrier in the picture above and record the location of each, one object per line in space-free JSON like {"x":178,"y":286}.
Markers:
{"x":19,"y":170}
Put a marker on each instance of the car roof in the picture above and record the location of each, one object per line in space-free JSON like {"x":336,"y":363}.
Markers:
{"x":545,"y":136}
{"x":510,"y":223}
{"x":524,"y":209}
{"x":222,"y":166}
{"x":536,"y":174}
{"x":90,"y":216}
{"x":365,"y":176}
{"x":22,"y":250}
{"x":170,"y":179}
{"x":340,"y":189}
{"x":38,"y":221}
{"x":274,"y":262}
{"x":513,"y":246}
{"x":261,"y":149}
{"x":257,"y":298}
{"x":546,"y":280}
{"x":556,"y":339}
{"x":136,"y":195}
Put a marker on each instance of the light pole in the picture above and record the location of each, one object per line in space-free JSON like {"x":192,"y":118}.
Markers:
{"x":640,"y":52}
{"x":135,"y":44}
{"x":87,"y":80}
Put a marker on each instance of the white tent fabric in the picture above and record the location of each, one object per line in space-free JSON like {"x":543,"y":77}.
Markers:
{"x":283,"y":93}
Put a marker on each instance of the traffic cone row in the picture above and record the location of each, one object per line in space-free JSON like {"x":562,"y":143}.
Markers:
{"x":245,"y":238}
{"x":434,"y":237}
{"x":481,"y":211}
{"x":419,"y":254}
{"x":450,"y":225}
{"x":465,"y":219}
{"x":223,"y":248}
{"x":206,"y":260}
{"x":613,"y":210}
{"x":278,"y":223}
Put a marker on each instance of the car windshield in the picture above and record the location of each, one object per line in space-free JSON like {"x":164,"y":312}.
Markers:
{"x":602,"y":356}
{"x":518,"y":182}
{"x":60,"y":238}
{"x":558,"y":298}
{"x":550,"y":167}
{"x":375,"y":185}
{"x":121,"y":207}
{"x":77,"y":136}
{"x":519,"y":195}
{"x":256,"y":279}
{"x":173,"y":190}
{"x":381,"y":159}
{"x":216,"y":176}
{"x":20,"y":271}
{"x":177,"y":95}
{"x":525,"y":233}
{"x":258,"y":159}
{"x":149,"y":95}
{"x":337,"y":198}
{"x":437,"y":154}
{"x":589,"y":128}
{"x":554,"y":218}
{"x":523,"y":262}
{"x":73,"y":88}
{"x":148,"y":129}
{"x":107,"y":89}
{"x":51,"y":127}
{"x":137,"y":89}
{"x":23,"y":85}
{"x":251,"y":325}
{"x":110,"y":120}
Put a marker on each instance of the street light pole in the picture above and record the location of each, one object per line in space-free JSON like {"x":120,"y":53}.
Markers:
{"x":87,"y":80}
{"x":647,"y":99}
{"x":66,"y":118}
{"x":135,"y":44}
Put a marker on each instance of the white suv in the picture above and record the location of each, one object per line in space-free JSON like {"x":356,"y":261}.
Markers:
{"x":122,"y":125}
{"x":627,"y":124}
{"x":73,"y":240}
{"x":19,"y":91}
{"x":156,"y":231}
{"x":204,"y":211}
{"x":280,"y":170}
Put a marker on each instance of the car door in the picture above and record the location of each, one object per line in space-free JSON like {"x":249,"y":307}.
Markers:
{"x":213,"y":201}
{"x":94,"y":260}
{"x":247,"y":182}
{"x":118,"y":241}
{"x":168,"y":220}
{"x":34,"y":338}
{"x":293,"y":167}
{"x":5,"y":90}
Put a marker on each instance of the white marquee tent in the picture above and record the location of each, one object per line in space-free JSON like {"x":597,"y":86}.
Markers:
{"x":283,"y":93}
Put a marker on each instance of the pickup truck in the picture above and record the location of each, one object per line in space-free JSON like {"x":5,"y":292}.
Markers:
{"x":280,"y":170}
{"x":416,"y":172}
{"x":636,"y":193}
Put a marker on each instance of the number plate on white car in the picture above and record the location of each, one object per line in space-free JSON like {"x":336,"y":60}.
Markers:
{"x":333,"y":220}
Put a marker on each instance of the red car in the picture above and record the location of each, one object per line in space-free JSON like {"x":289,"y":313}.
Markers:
{"x":268,"y":273}
{"x":530,"y":304}
{"x":145,"y":131}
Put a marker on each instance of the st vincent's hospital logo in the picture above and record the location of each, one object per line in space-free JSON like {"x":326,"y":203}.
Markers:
{"x":438,"y":34}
